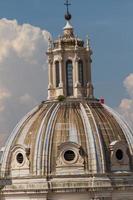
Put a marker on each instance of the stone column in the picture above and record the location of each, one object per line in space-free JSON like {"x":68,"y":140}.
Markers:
{"x":60,"y":70}
{"x":60,"y":89}
{"x":50,"y":79}
{"x":76,"y":72}
{"x":90,"y":88}
{"x":77,"y":85}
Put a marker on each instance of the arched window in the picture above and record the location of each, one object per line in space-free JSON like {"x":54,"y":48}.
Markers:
{"x":69,"y":78}
{"x":57,"y":73}
{"x":80,"y":72}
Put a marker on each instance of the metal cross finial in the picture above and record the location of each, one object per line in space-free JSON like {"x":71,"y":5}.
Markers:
{"x":67,"y":4}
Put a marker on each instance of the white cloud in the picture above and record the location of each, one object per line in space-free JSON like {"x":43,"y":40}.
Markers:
{"x":128,"y":83}
{"x":23,"y":80}
{"x":126,"y":105}
{"x":26,"y":99}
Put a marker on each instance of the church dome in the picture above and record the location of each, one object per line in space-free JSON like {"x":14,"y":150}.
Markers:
{"x":74,"y":136}
{"x":71,"y":146}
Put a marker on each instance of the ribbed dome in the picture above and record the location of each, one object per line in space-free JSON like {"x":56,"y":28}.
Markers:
{"x":72,"y":146}
{"x":83,"y":135}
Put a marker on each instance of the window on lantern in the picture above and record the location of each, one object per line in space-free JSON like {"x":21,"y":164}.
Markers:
{"x":57,"y":73}
{"x":69,"y":78}
{"x":80,"y":72}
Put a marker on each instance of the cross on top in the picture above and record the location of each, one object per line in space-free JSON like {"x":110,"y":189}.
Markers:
{"x":67,"y":4}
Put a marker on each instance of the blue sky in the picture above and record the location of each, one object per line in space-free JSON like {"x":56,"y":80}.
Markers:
{"x":109,"y":24}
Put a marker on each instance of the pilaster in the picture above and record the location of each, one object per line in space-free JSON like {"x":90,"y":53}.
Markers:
{"x":50,"y":79}
{"x":61,"y":78}
{"x":90,"y":90}
{"x":50,"y":71}
{"x":77,"y":85}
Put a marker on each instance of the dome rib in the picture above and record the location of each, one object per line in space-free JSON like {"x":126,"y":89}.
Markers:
{"x":103,"y":131}
{"x":48,"y":140}
{"x":127,"y":132}
{"x":114,"y":127}
{"x":99,"y":141}
{"x":73,"y":133}
{"x":79,"y":128}
{"x":92,"y":160}
{"x":39,"y":140}
{"x":12,"y":137}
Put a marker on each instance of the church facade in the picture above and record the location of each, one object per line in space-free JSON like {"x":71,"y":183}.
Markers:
{"x":72,"y":146}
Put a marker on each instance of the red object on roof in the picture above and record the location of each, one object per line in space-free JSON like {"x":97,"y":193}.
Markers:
{"x":102,"y":100}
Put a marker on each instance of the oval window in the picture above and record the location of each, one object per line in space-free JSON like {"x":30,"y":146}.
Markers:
{"x":20,"y":158}
{"x":69,"y":155}
{"x":119,"y":154}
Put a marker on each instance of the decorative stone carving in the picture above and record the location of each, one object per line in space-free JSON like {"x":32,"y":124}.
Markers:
{"x":20,"y":161}
{"x":60,"y":42}
{"x":76,"y":43}
{"x":60,"y":59}
{"x":69,"y":160}
{"x":77,"y":58}
{"x":119,"y":156}
{"x":50,"y":61}
{"x":49,"y":44}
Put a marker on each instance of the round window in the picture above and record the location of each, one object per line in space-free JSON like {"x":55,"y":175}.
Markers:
{"x":69,"y":155}
{"x":20,"y":158}
{"x":119,"y":154}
